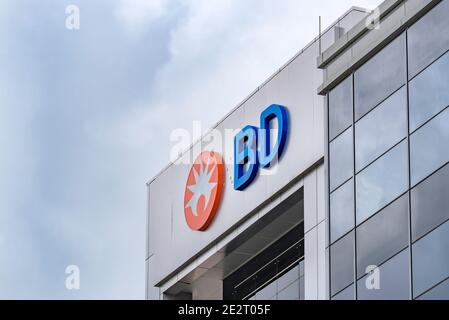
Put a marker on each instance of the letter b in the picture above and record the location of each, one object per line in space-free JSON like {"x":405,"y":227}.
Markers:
{"x":245,"y":154}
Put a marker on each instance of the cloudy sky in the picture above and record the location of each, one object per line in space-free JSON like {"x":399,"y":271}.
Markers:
{"x":86,"y":115}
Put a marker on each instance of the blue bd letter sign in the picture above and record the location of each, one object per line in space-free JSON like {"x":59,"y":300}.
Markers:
{"x":247,"y":157}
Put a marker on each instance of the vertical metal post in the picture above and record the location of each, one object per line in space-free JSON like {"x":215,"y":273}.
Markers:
{"x":319,"y":33}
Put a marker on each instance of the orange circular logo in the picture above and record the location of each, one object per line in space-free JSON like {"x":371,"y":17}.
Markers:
{"x":203,"y":190}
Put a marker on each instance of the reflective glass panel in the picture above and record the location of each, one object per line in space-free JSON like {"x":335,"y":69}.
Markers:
{"x":429,"y":92}
{"x":342,"y":263}
{"x":340,"y":108}
{"x":382,"y":182}
{"x":341,"y":159}
{"x":440,"y":292}
{"x":346,"y":294}
{"x":381,"y":129}
{"x":430,"y":203}
{"x":380,"y":77}
{"x":291,"y":292}
{"x":429,"y":147}
{"x":267,"y":293}
{"x":393,"y":279}
{"x":383,"y":235}
{"x":428,"y":38}
{"x":431,"y":259}
{"x":288,"y":278}
{"x":342,"y":210}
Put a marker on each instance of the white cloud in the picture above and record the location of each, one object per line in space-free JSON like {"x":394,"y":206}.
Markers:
{"x":136,"y":15}
{"x":89,"y":160}
{"x":219,"y":53}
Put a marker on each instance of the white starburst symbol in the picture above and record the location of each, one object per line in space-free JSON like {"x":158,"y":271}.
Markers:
{"x":202,"y":186}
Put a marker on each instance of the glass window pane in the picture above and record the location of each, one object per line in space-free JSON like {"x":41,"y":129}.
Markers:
{"x":440,"y":292}
{"x":382,"y":182}
{"x":340,"y":108}
{"x":268,"y":292}
{"x":381,"y":129}
{"x":341,"y":159}
{"x":342,"y":210}
{"x":429,"y":92}
{"x":431,"y":259}
{"x":429,"y":147}
{"x":428,"y":38}
{"x":430,"y":203}
{"x":382,"y":236}
{"x":288,"y":278}
{"x":394,"y":280}
{"x":290,"y":293}
{"x":342,"y":263}
{"x":380,"y":77}
{"x":347,"y":294}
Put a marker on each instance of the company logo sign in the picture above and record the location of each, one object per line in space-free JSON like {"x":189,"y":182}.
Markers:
{"x":252,"y":146}
{"x":203,"y":191}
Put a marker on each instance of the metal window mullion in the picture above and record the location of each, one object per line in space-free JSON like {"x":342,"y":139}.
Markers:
{"x":409,"y":170}
{"x":354,"y":186}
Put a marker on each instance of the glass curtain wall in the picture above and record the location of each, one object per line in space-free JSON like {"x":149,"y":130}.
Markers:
{"x":388,"y":134}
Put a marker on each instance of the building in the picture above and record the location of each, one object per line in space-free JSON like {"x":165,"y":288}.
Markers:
{"x":356,"y":204}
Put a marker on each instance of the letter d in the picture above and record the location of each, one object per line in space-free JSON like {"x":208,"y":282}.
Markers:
{"x":267,"y":156}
